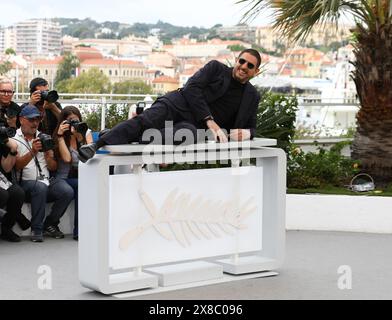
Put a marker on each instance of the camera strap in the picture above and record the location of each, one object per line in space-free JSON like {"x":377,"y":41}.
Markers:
{"x":35,"y":161}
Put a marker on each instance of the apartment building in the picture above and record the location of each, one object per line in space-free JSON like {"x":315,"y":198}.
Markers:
{"x":7,"y":38}
{"x":320,"y":35}
{"x":127,"y":47}
{"x":38,"y":38}
{"x":190,"y":48}
{"x":164,"y":84}
{"x":116,"y":70}
{"x":242,"y":31}
{"x":45,"y":68}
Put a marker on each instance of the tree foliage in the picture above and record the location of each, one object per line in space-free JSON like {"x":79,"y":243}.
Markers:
{"x":5,"y":67}
{"x":67,"y":67}
{"x":10,"y":52}
{"x":92,"y":81}
{"x":276,"y":118}
{"x":132,"y":87}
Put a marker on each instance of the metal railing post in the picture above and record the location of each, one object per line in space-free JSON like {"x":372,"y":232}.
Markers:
{"x":103,"y":113}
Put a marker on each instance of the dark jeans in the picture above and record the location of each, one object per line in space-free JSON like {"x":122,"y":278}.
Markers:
{"x":38,"y":193}
{"x":12,"y":200}
{"x":73,"y":182}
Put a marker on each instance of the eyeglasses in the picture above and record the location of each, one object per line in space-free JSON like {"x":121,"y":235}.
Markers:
{"x":241,"y":61}
{"x":7,"y":92}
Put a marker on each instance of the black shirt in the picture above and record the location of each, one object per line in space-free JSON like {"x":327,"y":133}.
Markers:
{"x":225,"y":109}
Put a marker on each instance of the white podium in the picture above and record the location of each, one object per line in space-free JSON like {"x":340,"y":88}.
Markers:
{"x":170,"y":229}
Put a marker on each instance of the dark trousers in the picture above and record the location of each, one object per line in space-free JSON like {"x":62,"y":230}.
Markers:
{"x":38,"y":193}
{"x":131,"y":130}
{"x":12,"y":200}
{"x":153,"y":118}
{"x":73,"y":182}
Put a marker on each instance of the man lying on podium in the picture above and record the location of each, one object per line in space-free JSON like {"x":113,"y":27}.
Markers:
{"x":216,"y":98}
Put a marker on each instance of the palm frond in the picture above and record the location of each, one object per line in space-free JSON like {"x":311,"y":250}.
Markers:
{"x":185,"y":217}
{"x":296,"y":18}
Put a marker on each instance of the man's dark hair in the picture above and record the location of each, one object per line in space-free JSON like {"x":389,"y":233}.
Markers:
{"x":254,"y":53}
{"x":37,"y":82}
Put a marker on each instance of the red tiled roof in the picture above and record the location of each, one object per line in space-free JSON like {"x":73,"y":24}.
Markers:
{"x":54,"y":61}
{"x":84,"y":53}
{"x":165,"y":79}
{"x":111,"y":62}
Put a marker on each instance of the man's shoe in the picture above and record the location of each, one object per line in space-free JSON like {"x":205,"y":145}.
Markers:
{"x":53,"y":232}
{"x":23,"y":222}
{"x":36,"y":236}
{"x":87,"y":151}
{"x":9,"y":235}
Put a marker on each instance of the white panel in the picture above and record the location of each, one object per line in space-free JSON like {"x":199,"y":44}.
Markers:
{"x":188,"y":195}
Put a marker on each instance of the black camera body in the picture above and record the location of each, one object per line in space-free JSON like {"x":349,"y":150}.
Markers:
{"x":80,"y":127}
{"x":140,"y":107}
{"x":12,"y":111}
{"x":50,"y":96}
{"x":5,"y":133}
{"x":46,"y":141}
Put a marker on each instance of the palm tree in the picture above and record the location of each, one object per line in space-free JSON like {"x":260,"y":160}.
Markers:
{"x":373,"y":66}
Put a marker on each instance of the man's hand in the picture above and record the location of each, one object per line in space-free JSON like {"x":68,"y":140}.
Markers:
{"x":36,"y":146}
{"x":49,"y":105}
{"x":239,"y":134}
{"x":35,"y":97}
{"x":12,"y":145}
{"x":219,"y":135}
{"x":49,"y":154}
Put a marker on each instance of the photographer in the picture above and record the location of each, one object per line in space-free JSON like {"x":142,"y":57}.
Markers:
{"x":69,"y":136}
{"x":9,"y":110}
{"x":46,"y":102}
{"x":11,"y":195}
{"x":34,"y":161}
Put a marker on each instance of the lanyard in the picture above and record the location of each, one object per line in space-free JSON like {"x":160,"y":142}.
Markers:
{"x":41,"y":176}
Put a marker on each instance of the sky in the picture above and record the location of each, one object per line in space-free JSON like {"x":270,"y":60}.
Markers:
{"x":199,"y":13}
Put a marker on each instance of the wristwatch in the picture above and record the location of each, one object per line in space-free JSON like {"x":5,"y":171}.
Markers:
{"x":13,"y":153}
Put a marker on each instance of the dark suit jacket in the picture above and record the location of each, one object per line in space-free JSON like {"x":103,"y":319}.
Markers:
{"x":207,"y":85}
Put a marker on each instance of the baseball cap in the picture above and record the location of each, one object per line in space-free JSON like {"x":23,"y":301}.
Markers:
{"x":37,"y":82}
{"x":30,"y":112}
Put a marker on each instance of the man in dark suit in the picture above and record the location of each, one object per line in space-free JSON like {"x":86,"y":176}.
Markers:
{"x":216,"y":97}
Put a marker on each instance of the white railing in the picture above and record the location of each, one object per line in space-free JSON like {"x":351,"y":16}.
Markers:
{"x":95,"y":100}
{"x":331,"y":117}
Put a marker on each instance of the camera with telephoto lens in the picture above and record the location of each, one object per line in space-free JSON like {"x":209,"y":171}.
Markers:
{"x":80,"y":127}
{"x":50,"y":96}
{"x":46,"y":141}
{"x":140,"y":107}
{"x":5,"y":133}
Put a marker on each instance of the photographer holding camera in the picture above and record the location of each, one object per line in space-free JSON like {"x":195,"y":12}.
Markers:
{"x":11,"y":195}
{"x":9,"y":110}
{"x":46,"y":102}
{"x":34,"y":161}
{"x":69,"y":136}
